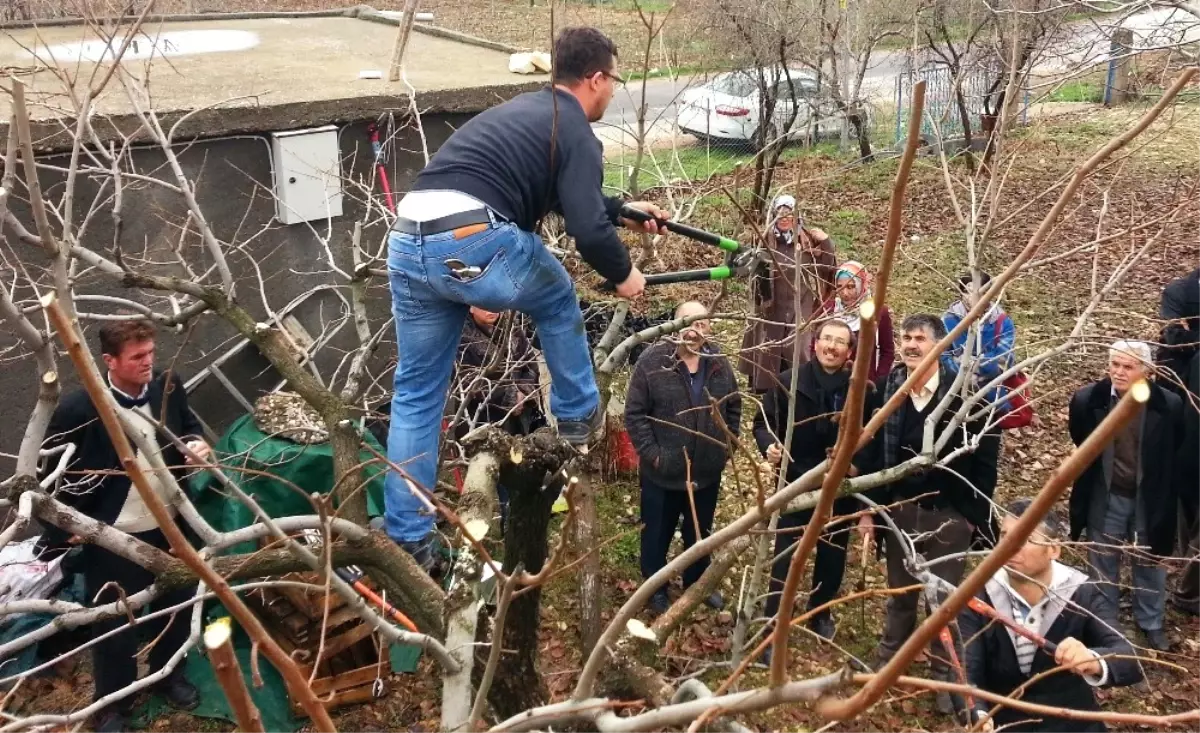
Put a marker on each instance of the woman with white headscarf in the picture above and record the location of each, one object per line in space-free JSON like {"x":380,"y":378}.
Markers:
{"x":787,"y":290}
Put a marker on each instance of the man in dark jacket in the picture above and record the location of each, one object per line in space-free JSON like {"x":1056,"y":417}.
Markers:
{"x":682,"y":410}
{"x":1058,"y":603}
{"x":1128,"y":494}
{"x":942,"y":507}
{"x":1180,"y":309}
{"x":96,"y":485}
{"x":1179,"y":356}
{"x":1187,"y":595}
{"x":821,"y":388}
{"x":498,"y":374}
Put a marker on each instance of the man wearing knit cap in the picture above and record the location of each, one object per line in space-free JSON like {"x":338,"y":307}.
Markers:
{"x":1127,"y":498}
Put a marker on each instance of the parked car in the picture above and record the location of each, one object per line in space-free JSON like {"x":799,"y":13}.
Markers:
{"x":727,"y":107}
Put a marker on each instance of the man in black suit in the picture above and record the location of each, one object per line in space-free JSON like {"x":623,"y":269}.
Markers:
{"x":1128,"y":496}
{"x":1179,"y":356}
{"x":1054,"y":601}
{"x":96,"y":485}
{"x":1180,"y":310}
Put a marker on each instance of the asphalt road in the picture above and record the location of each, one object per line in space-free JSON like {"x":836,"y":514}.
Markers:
{"x":1081,"y":43}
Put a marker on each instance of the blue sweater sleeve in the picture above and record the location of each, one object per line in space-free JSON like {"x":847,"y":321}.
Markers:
{"x":951,"y":356}
{"x":998,"y":349}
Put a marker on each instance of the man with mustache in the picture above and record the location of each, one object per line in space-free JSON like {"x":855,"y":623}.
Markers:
{"x":939,"y":507}
{"x":682,"y":410}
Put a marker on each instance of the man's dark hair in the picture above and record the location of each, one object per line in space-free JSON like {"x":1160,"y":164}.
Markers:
{"x":924,"y":321}
{"x":1052,"y":525}
{"x":966,"y":279}
{"x":840,"y":324}
{"x":115,"y":334}
{"x":580,"y":53}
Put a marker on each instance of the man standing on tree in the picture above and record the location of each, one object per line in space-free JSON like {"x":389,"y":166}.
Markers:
{"x":1127,"y":498}
{"x":682,"y":410}
{"x":464,"y":237}
{"x":97,"y":486}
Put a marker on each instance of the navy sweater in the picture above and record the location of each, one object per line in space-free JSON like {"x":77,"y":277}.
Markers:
{"x":532,"y":155}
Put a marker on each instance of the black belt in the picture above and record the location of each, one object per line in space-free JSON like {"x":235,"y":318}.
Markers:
{"x":442,"y":224}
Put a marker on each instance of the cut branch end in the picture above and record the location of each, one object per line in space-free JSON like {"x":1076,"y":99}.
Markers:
{"x":217,"y":633}
{"x":1140,"y":391}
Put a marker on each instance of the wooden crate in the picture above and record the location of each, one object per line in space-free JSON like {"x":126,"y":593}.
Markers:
{"x":350,"y":660}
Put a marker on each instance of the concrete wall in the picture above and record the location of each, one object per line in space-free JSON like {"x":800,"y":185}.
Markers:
{"x":233,"y":185}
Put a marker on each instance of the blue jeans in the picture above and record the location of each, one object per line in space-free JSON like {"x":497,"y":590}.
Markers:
{"x":430,"y":306}
{"x":1149,"y":577}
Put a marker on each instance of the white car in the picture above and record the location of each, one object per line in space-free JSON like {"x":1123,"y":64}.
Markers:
{"x":727,"y":107}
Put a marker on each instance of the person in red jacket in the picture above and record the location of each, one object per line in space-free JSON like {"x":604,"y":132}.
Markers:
{"x":852,"y":288}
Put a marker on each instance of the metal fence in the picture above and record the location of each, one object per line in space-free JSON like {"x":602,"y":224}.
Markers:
{"x":942,"y":117}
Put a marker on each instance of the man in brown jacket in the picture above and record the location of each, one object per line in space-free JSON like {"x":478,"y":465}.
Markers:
{"x":801,"y":259}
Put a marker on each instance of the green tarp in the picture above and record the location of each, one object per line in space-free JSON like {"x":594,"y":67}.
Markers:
{"x":278,"y":473}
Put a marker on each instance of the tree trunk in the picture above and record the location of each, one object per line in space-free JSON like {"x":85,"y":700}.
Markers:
{"x":586,"y":524}
{"x":518,"y":684}
{"x":987,"y":124}
{"x":965,"y":117}
{"x":863,"y":135}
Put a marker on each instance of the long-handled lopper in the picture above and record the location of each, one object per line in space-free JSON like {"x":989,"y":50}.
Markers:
{"x":739,"y":258}
{"x":353,"y":575}
{"x":377,"y":150}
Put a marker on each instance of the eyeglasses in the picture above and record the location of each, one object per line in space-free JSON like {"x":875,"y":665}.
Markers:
{"x":615,"y":79}
{"x":834,"y":341}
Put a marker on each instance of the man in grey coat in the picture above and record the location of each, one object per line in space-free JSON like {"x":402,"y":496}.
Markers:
{"x":682,"y":411}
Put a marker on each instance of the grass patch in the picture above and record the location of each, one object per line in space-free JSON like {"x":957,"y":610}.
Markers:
{"x":677,"y":72}
{"x":1077,"y":91}
{"x":617,"y":510}
{"x":848,"y":227}
{"x":692,"y":163}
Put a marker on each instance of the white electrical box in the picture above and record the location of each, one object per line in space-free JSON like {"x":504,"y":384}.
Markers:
{"x":308,"y":175}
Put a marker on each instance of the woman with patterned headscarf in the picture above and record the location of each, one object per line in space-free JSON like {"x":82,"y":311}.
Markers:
{"x":851,"y":288}
{"x":787,"y":290}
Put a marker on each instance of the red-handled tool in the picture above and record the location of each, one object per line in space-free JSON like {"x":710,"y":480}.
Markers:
{"x":984,"y":609}
{"x":353,"y":575}
{"x":377,"y":149}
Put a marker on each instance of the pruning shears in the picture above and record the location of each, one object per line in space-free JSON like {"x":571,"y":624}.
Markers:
{"x":740,"y":259}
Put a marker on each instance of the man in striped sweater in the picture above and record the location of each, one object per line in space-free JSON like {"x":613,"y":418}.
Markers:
{"x":1059,"y":604}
